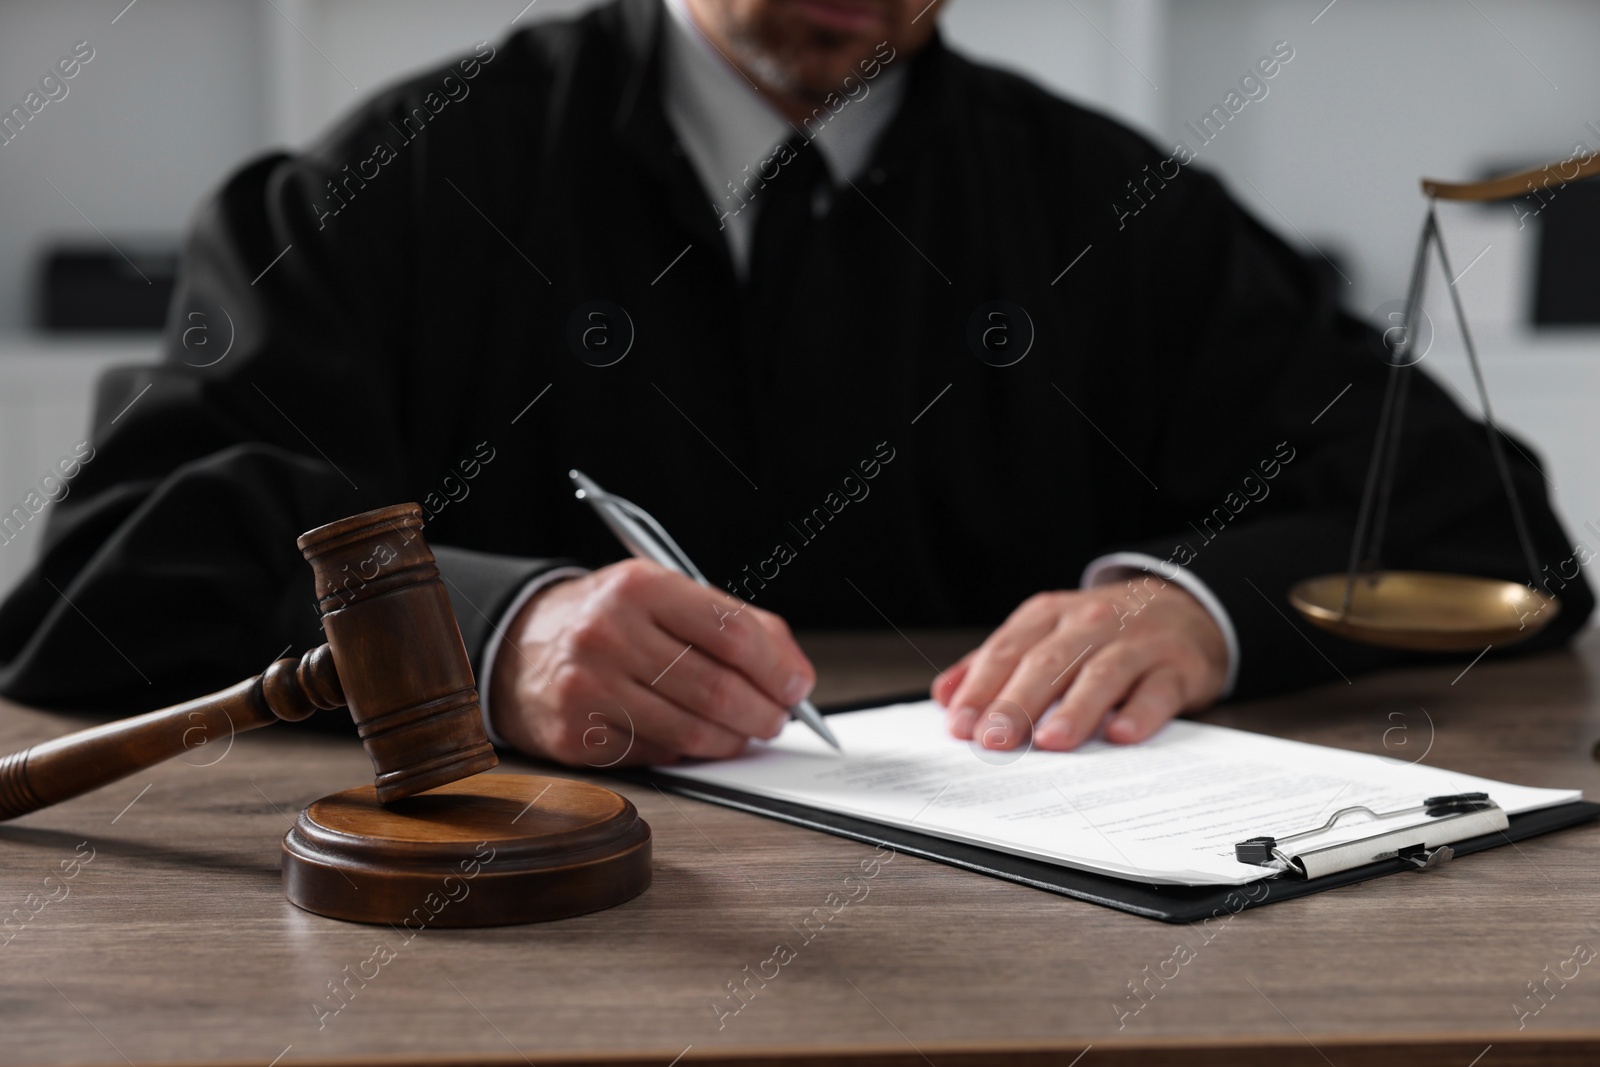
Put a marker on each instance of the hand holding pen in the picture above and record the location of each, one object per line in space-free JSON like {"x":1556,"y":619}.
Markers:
{"x":646,"y":539}
{"x":637,"y":664}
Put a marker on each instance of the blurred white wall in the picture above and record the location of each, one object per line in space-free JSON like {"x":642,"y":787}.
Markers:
{"x":172,"y":99}
{"x":1380,"y":93}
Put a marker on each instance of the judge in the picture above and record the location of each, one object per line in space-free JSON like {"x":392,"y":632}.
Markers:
{"x":877,"y":333}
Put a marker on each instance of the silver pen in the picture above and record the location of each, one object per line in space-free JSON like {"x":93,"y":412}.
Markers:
{"x":643,"y":536}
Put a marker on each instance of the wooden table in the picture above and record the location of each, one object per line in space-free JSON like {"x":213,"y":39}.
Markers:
{"x":175,"y":944}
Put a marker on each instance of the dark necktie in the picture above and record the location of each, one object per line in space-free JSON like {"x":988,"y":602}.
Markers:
{"x":786,"y":237}
{"x":783,"y":223}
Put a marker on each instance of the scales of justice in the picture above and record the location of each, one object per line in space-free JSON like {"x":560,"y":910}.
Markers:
{"x":1421,"y":610}
{"x":540,"y":848}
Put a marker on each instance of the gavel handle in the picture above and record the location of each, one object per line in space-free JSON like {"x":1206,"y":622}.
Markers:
{"x":70,"y":766}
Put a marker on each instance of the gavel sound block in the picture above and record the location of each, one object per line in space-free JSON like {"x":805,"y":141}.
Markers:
{"x":433,"y":839}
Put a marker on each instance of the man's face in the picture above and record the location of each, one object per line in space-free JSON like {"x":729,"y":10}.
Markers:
{"x":806,"y":48}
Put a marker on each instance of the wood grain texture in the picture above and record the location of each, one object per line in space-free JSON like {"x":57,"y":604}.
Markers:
{"x":171,"y":940}
{"x":394,"y":656}
{"x":1513,"y":185}
{"x":490,"y":850}
{"x":395,"y":640}
{"x":66,"y":767}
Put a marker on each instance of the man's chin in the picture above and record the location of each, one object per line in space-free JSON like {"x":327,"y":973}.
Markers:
{"x":818,"y":83}
{"x":822,"y":64}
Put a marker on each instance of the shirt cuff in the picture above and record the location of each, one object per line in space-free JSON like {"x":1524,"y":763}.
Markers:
{"x":527,"y":593}
{"x":1119,"y":566}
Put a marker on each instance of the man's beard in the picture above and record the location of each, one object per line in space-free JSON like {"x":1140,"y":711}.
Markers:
{"x":778,"y":69}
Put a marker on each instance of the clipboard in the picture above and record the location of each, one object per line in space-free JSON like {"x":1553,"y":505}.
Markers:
{"x":1189,"y":904}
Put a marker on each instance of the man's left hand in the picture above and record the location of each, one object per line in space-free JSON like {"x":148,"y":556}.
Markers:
{"x":1147,"y":656}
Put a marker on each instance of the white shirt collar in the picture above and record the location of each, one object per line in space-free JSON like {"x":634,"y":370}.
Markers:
{"x":728,"y":129}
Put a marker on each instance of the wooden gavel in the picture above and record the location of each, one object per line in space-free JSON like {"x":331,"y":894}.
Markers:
{"x":394,"y":657}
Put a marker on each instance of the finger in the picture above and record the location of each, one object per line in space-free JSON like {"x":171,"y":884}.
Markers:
{"x":656,"y":721}
{"x":997,"y":657}
{"x":945,"y":685}
{"x":773,"y":623}
{"x":741,"y":636}
{"x":779,"y":629}
{"x":583,"y":718}
{"x":705,"y":686}
{"x":610,"y":739}
{"x":1103,"y":681}
{"x":1042,"y":675}
{"x":959,"y":719}
{"x":1156,"y":698}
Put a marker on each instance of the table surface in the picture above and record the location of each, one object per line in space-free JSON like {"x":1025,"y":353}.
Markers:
{"x":175,"y":943}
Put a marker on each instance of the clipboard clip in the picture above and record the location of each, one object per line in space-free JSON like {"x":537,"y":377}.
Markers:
{"x":1419,"y":835}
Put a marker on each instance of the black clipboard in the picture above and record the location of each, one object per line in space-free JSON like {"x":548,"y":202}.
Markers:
{"x":1168,"y":903}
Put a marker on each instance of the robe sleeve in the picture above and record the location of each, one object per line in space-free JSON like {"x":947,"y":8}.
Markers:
{"x":170,"y":568}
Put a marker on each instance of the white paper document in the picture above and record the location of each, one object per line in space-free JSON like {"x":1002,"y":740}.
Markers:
{"x":1168,"y":810}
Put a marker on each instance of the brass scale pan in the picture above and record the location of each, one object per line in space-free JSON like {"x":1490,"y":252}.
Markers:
{"x":1419,"y":610}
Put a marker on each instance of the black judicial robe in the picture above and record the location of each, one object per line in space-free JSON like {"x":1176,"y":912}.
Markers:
{"x":441,"y":247}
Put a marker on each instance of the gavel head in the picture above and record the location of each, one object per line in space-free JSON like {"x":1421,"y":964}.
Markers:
{"x":398,"y":651}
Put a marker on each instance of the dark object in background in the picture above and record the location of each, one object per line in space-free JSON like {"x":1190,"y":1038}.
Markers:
{"x":94,"y":289}
{"x":1567,"y":283}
